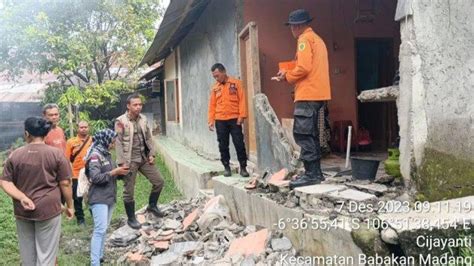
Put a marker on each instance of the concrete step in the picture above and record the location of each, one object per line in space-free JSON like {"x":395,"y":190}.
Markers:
{"x":190,"y":171}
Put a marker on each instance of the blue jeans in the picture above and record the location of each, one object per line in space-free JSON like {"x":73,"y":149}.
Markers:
{"x":102,"y":214}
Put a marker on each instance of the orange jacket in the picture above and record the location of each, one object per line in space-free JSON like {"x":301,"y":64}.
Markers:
{"x":311,"y":74}
{"x":72,"y":146}
{"x":227,"y":101}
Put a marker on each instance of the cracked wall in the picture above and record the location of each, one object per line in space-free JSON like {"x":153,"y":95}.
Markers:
{"x":436,"y":106}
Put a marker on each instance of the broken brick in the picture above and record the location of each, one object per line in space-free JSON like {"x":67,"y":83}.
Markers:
{"x":167,"y":233}
{"x":161,"y":245}
{"x":135,"y":257}
{"x":141,"y":218}
{"x":253,"y":243}
{"x":165,"y":238}
{"x":190,"y":219}
{"x":279,"y":179}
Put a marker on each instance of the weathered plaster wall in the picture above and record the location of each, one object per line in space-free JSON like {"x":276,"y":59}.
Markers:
{"x":334,"y":22}
{"x":436,"y":106}
{"x":213,"y":39}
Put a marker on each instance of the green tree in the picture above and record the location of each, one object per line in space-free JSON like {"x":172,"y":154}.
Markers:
{"x":93,"y":47}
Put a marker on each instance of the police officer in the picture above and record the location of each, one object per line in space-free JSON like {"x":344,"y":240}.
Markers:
{"x":227,"y":111}
{"x":135,"y":149}
{"x":311,"y":79}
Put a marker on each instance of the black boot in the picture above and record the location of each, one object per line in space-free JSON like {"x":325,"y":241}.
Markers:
{"x":316,"y":170}
{"x":243,"y":170}
{"x":130,"y":210}
{"x":312,"y":175}
{"x":152,"y":207}
{"x":227,"y":171}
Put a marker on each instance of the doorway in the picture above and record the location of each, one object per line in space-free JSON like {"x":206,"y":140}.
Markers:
{"x":375,"y":64}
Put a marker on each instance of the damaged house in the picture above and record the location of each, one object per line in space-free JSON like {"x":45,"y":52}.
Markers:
{"x":429,"y":112}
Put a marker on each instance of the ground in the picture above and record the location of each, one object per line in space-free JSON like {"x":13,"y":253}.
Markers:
{"x":75,"y":240}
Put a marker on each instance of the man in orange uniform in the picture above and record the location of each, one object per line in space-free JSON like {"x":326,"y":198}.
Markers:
{"x":55,"y":137}
{"x":76,"y":149}
{"x":227,"y":110}
{"x":312,"y":89}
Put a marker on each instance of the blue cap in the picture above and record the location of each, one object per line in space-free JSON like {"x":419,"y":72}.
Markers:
{"x":299,"y":16}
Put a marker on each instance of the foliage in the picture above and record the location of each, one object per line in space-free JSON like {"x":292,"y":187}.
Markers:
{"x":93,"y":47}
{"x":83,"y":42}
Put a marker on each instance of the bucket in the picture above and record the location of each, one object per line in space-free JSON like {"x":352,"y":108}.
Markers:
{"x":364,"y":168}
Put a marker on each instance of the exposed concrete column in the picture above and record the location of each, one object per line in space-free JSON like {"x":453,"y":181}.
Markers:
{"x":411,"y":102}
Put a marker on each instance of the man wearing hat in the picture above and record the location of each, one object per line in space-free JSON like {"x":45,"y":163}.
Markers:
{"x":311,"y":79}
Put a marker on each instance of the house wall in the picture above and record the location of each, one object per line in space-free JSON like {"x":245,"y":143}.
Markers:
{"x":333,"y":21}
{"x":436,"y":110}
{"x":213,"y":39}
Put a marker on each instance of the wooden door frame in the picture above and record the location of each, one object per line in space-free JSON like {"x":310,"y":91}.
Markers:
{"x":250,"y":33}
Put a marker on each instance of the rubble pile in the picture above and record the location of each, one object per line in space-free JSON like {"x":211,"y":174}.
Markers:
{"x":333,"y":197}
{"x":197,"y":232}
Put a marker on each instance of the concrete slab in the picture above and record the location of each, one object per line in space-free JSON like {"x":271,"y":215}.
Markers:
{"x":351,"y":195}
{"x":319,"y":190}
{"x":274,"y":149}
{"x":377,"y":189}
{"x":190,"y":171}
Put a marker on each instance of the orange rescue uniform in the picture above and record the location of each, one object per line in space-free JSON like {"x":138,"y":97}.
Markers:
{"x":311,"y":74}
{"x":227,"y":101}
{"x":72,"y":147}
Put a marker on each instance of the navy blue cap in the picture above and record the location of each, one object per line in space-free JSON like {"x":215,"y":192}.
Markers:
{"x":299,"y":16}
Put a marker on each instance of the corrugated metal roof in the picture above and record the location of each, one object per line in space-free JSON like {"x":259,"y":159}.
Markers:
{"x":179,"y":19}
{"x":32,"y":92}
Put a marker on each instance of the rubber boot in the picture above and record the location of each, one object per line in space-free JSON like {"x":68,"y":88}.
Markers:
{"x":130,"y":210}
{"x":227,"y":171}
{"x":310,"y":177}
{"x":243,"y":170}
{"x":152,"y":205}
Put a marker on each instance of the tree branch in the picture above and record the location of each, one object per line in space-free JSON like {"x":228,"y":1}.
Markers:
{"x":67,"y":77}
{"x":82,"y":77}
{"x":118,"y":72}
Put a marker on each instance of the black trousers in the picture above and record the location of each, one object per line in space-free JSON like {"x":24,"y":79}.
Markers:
{"x":306,"y":129}
{"x":78,"y":211}
{"x":224,"y":128}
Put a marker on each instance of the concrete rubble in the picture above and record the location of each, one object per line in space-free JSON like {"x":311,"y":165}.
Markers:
{"x":384,"y":94}
{"x":197,"y":232}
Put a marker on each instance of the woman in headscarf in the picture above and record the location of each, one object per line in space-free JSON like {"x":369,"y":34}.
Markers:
{"x":36,"y":176}
{"x":102,"y":174}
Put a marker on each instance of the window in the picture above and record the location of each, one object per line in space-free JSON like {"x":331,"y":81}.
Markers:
{"x":172,"y":100}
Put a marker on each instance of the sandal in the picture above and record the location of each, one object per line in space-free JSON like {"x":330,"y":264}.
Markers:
{"x":252,"y":184}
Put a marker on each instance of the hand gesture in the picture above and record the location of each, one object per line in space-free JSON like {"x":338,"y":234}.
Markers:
{"x":27,"y":203}
{"x":151,"y":159}
{"x":69,"y":212}
{"x":281,"y":76}
{"x":121,"y":170}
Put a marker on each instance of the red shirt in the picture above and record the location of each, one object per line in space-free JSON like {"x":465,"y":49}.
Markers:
{"x":56,"y":138}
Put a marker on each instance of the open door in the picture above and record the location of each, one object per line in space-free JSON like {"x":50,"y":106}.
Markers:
{"x":250,"y":75}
